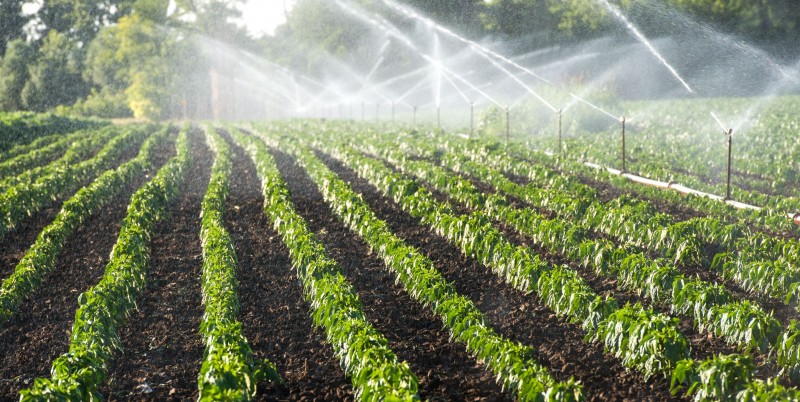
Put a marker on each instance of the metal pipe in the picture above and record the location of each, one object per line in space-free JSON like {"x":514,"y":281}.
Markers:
{"x":439,"y":117}
{"x":622,"y":120}
{"x":560,"y":113}
{"x":471,"y":119}
{"x":508,"y":124}
{"x":730,"y":144}
{"x":415,"y":116}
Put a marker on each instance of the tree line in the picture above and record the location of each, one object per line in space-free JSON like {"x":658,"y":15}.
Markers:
{"x":117,"y":58}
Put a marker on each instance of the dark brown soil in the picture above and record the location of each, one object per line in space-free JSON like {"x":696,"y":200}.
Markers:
{"x":560,"y":345}
{"x":445,"y":371}
{"x":40,"y":331}
{"x":162,"y":346}
{"x":17,"y":243}
{"x":274,"y":313}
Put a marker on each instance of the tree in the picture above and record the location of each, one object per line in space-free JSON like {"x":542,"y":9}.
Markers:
{"x":155,"y":66}
{"x":13,"y":22}
{"x":55,"y":77}
{"x":463,"y":16}
{"x":516,"y":19}
{"x":14,"y":74}
{"x":80,"y":20}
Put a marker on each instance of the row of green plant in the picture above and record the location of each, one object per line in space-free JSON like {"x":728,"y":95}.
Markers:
{"x":40,"y":259}
{"x":712,"y":307}
{"x":77,"y":152}
{"x":632,"y":221}
{"x":78,"y":373}
{"x":512,"y":363}
{"x":24,"y":127}
{"x":759,"y":263}
{"x":762,"y":263}
{"x":39,"y":156}
{"x":25,"y":199}
{"x":766,"y":219}
{"x":375,"y":371}
{"x":701,"y":380}
{"x":559,"y":287}
{"x":679,"y":141}
{"x":20,"y":149}
{"x":229,"y":371}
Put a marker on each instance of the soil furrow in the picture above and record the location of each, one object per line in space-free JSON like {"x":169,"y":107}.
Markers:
{"x":162,"y":346}
{"x":445,"y":370}
{"x":521,"y":317}
{"x":40,"y":331}
{"x":274,"y":314}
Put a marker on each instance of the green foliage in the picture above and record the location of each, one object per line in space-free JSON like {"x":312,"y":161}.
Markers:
{"x":653,"y":345}
{"x":55,"y":78}
{"x":40,"y":259}
{"x":13,"y":23}
{"x":13,"y":167}
{"x":720,"y":378}
{"x":375,"y":371}
{"x":229,"y":371}
{"x":711,"y":306}
{"x":512,"y":363}
{"x":14,"y":73}
{"x":21,"y":128}
{"x":105,"y":103}
{"x":647,"y":341}
{"x":78,"y":374}
{"x":24,"y":199}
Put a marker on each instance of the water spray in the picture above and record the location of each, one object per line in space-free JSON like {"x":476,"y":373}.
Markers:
{"x":643,"y":39}
{"x":482,"y":51}
{"x":386,"y":27}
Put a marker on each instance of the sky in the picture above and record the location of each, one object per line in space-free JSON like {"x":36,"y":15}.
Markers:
{"x":263,"y":16}
{"x":260,"y":16}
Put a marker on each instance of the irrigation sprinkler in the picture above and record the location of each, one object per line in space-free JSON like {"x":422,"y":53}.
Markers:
{"x":471,"y":119}
{"x":393,"y":105}
{"x":560,"y":114}
{"x":508,"y":124}
{"x":622,"y":121}
{"x":439,"y":117}
{"x":415,"y":117}
{"x":729,"y":133}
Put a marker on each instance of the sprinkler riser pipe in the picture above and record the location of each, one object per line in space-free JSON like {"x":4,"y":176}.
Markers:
{"x":560,"y":113}
{"x":622,"y":120}
{"x":471,"y":119}
{"x":508,"y":124}
{"x":730,"y":146}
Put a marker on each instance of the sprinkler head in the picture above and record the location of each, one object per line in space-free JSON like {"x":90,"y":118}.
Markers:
{"x":622,"y":119}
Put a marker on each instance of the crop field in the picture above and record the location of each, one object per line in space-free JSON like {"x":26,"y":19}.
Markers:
{"x":322,"y":260}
